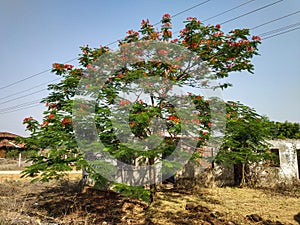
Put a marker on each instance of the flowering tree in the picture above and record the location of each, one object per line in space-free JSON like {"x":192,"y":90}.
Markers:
{"x":222,"y":54}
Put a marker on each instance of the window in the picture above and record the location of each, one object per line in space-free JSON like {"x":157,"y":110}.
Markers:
{"x":275,"y":161}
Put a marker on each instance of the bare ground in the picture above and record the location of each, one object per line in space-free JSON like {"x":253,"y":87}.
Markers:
{"x":22,"y":202}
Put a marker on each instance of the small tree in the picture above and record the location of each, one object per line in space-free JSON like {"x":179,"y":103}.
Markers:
{"x":222,"y":54}
{"x":245,"y":139}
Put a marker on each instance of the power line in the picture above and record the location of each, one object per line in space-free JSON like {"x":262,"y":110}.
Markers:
{"x":284,"y":32}
{"x":29,"y":89}
{"x":111,"y":43}
{"x":183,"y":11}
{"x":267,"y":34}
{"x":48,"y":70}
{"x":222,"y":13}
{"x":255,"y":10}
{"x":271,"y":21}
{"x":279,"y":29}
{"x":27,"y":107}
{"x":229,"y":10}
{"x":23,"y":96}
{"x":34,"y":75}
{"x":175,"y":15}
{"x":27,"y":78}
{"x":20,"y":105}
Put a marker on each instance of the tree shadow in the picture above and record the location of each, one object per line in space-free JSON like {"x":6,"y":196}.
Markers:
{"x":297,"y":218}
{"x":65,"y":203}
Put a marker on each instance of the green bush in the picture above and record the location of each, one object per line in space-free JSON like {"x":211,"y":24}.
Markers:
{"x":28,"y":154}
{"x":12,"y":154}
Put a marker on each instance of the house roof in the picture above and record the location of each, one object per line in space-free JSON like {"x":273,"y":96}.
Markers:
{"x":6,"y":140}
{"x":8,"y":135}
{"x":6,"y":143}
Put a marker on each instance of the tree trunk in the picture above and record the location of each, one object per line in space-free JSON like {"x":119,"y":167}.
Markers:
{"x":152,"y":180}
{"x":243,"y":176}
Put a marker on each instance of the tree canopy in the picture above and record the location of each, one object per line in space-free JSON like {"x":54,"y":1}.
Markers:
{"x":219,"y":52}
{"x":245,"y":138}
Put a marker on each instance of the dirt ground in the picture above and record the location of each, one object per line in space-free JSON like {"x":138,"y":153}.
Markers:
{"x":22,"y":202}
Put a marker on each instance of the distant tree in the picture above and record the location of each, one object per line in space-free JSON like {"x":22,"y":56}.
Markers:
{"x":245,"y":139}
{"x":222,"y":54}
{"x":285,"y":130}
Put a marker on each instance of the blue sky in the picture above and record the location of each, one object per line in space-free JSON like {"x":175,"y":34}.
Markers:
{"x":37,"y":33}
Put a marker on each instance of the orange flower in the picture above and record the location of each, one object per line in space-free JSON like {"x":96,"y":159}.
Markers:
{"x":27,"y":119}
{"x":256,"y":38}
{"x":162,"y":52}
{"x":66,"y":121}
{"x":44,"y":124}
{"x":124,"y":102}
{"x":68,"y":66}
{"x":56,"y":66}
{"x":174,"y":118}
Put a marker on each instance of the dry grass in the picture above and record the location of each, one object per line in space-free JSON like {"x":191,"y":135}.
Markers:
{"x":10,"y":164}
{"x":238,"y":203}
{"x":232,"y":204}
{"x":22,"y":202}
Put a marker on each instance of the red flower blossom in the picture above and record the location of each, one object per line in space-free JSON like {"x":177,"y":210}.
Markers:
{"x":174,"y":118}
{"x":166,"y":16}
{"x":66,"y":121}
{"x":162,"y":52}
{"x":144,"y":22}
{"x":57,"y":66}
{"x":51,"y":116}
{"x":27,"y":119}
{"x":124,"y":102}
{"x":44,"y":124}
{"x":68,"y":66}
{"x":256,"y":38}
{"x":218,"y":26}
{"x":174,"y":40}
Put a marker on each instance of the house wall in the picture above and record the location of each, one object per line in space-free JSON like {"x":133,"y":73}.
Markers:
{"x":2,"y":153}
{"x":288,"y":158}
{"x":261,"y":174}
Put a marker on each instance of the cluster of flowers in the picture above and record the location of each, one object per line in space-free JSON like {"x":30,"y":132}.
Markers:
{"x":59,"y":66}
{"x":124,"y":102}
{"x":27,"y":119}
{"x":166,"y":27}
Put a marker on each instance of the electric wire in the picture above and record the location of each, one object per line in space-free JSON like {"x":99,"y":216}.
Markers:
{"x":20,"y":109}
{"x":268,"y":35}
{"x":226,"y":11}
{"x":280,"y":33}
{"x":17,"y":98}
{"x":274,"y":20}
{"x":111,"y":43}
{"x":20,"y":105}
{"x":253,"y":11}
{"x":279,"y":29}
{"x":29,"y":89}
